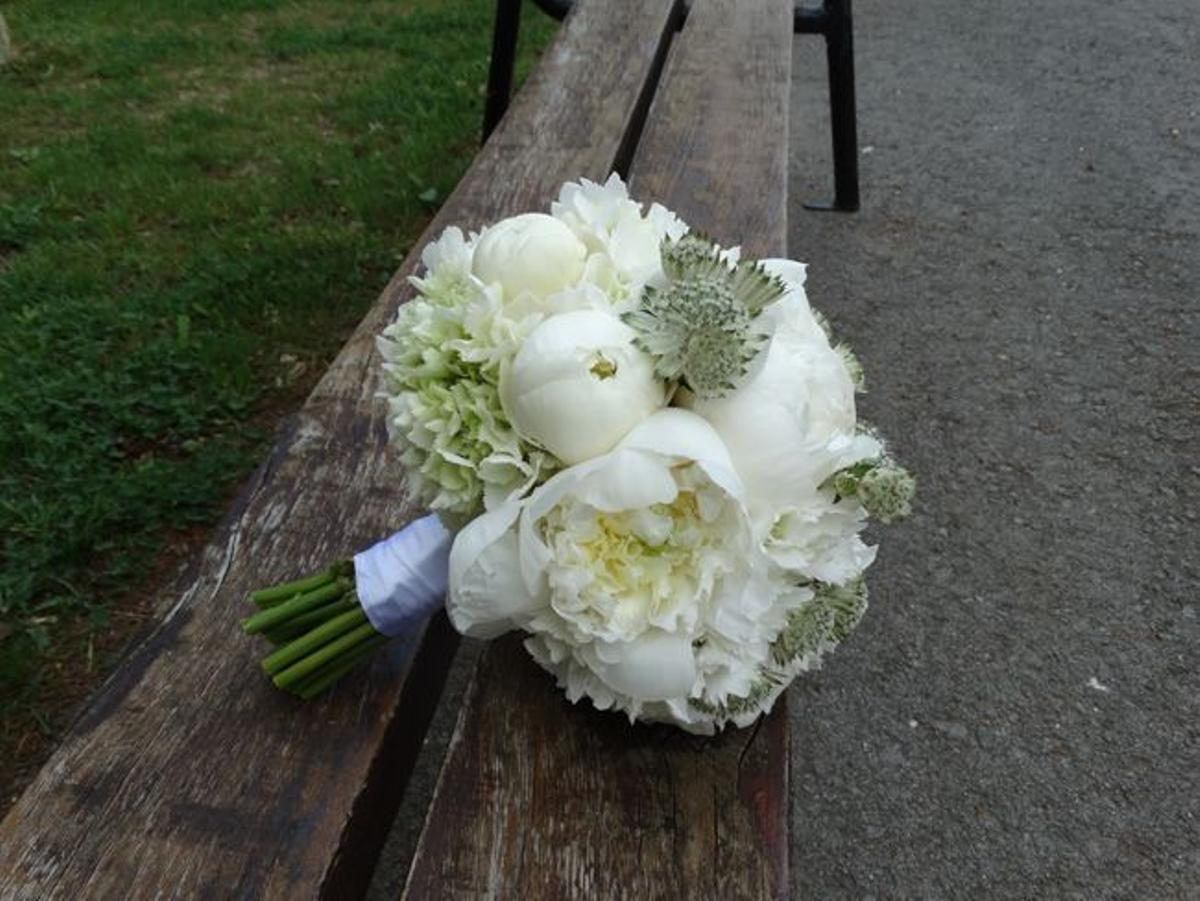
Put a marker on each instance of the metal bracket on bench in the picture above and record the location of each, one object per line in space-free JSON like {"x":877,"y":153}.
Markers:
{"x":504,"y":60}
{"x":832,"y":19}
{"x":556,"y":8}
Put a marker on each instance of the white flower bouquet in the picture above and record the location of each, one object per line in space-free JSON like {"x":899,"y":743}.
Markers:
{"x":640,"y":450}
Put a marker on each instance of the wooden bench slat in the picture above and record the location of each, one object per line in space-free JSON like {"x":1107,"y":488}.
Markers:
{"x":189,"y":774}
{"x":541,"y":800}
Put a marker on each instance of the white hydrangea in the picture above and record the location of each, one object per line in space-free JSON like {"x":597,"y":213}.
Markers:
{"x":459,"y":453}
{"x":442,"y":357}
{"x":446,"y":265}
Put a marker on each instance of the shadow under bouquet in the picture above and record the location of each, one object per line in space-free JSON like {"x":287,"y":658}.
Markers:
{"x":639,"y":449}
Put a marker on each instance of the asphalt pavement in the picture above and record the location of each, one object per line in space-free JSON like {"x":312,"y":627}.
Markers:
{"x":1019,"y":714}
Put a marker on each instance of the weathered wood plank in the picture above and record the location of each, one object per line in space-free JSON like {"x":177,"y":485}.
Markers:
{"x":715,"y":146}
{"x":189,"y":775}
{"x":541,"y":800}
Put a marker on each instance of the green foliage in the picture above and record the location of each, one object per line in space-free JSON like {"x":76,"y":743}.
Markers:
{"x":198,"y":201}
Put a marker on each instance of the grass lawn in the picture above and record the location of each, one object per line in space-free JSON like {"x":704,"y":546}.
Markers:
{"x":198,"y":201}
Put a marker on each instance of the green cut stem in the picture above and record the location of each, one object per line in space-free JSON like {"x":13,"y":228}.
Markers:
{"x":324,"y":655}
{"x":305,"y":622}
{"x":302,"y":603}
{"x":310,"y":641}
{"x":320,"y":680}
{"x":277,"y":594}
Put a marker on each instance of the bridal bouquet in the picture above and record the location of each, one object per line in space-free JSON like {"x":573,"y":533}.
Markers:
{"x":640,"y":450}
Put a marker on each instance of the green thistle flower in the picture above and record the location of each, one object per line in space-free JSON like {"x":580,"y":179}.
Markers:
{"x":760,"y":690}
{"x":887,"y":492}
{"x":845,"y":481}
{"x":692,"y":256}
{"x":697,"y":257}
{"x":698,"y":332}
{"x":846,"y":605}
{"x":811,"y":630}
{"x":807,"y":629}
{"x":821,"y":623}
{"x":700,"y":328}
{"x":884,"y":487}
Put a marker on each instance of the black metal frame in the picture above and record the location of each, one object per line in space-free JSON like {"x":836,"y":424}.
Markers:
{"x":832,"y":19}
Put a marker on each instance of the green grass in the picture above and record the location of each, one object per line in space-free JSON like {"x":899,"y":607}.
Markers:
{"x":198,"y":201}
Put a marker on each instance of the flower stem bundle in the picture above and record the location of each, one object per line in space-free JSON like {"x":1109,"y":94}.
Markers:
{"x":319,"y":629}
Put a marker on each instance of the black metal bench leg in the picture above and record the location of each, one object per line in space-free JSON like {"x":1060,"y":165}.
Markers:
{"x":837,"y":26}
{"x":504,"y":55}
{"x":504,"y":58}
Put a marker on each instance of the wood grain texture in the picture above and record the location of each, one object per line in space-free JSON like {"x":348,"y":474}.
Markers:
{"x":189,"y":775}
{"x":539,"y":799}
{"x":715,"y":146}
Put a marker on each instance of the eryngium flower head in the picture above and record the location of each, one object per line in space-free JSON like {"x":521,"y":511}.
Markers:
{"x":692,"y":256}
{"x":884,"y":487}
{"x":698,"y":332}
{"x":822,"y":623}
{"x":886,"y":491}
{"x":700,"y":327}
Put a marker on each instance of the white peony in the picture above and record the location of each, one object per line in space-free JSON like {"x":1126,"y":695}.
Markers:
{"x":638,"y":577}
{"x":792,"y":423}
{"x":818,"y":538}
{"x":531,"y":254}
{"x":622,"y":243}
{"x":578,"y":385}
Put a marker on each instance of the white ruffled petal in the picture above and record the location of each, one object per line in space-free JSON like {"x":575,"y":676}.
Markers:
{"x":655,"y":667}
{"x":629,"y":480}
{"x":793,"y":273}
{"x":682,"y":435}
{"x":487,"y":595}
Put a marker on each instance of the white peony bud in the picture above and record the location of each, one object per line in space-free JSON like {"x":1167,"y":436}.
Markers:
{"x":532,"y":253}
{"x":578,"y":385}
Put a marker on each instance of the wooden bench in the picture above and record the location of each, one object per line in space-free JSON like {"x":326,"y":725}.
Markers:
{"x":832,"y":19}
{"x":189,"y":775}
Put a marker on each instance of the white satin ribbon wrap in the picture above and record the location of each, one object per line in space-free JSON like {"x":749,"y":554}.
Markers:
{"x":402,"y":580}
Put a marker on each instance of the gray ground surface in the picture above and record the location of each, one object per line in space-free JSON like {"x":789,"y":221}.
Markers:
{"x":1019,"y":714}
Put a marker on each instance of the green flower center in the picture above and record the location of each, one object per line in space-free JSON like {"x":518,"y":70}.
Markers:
{"x":700,"y":328}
